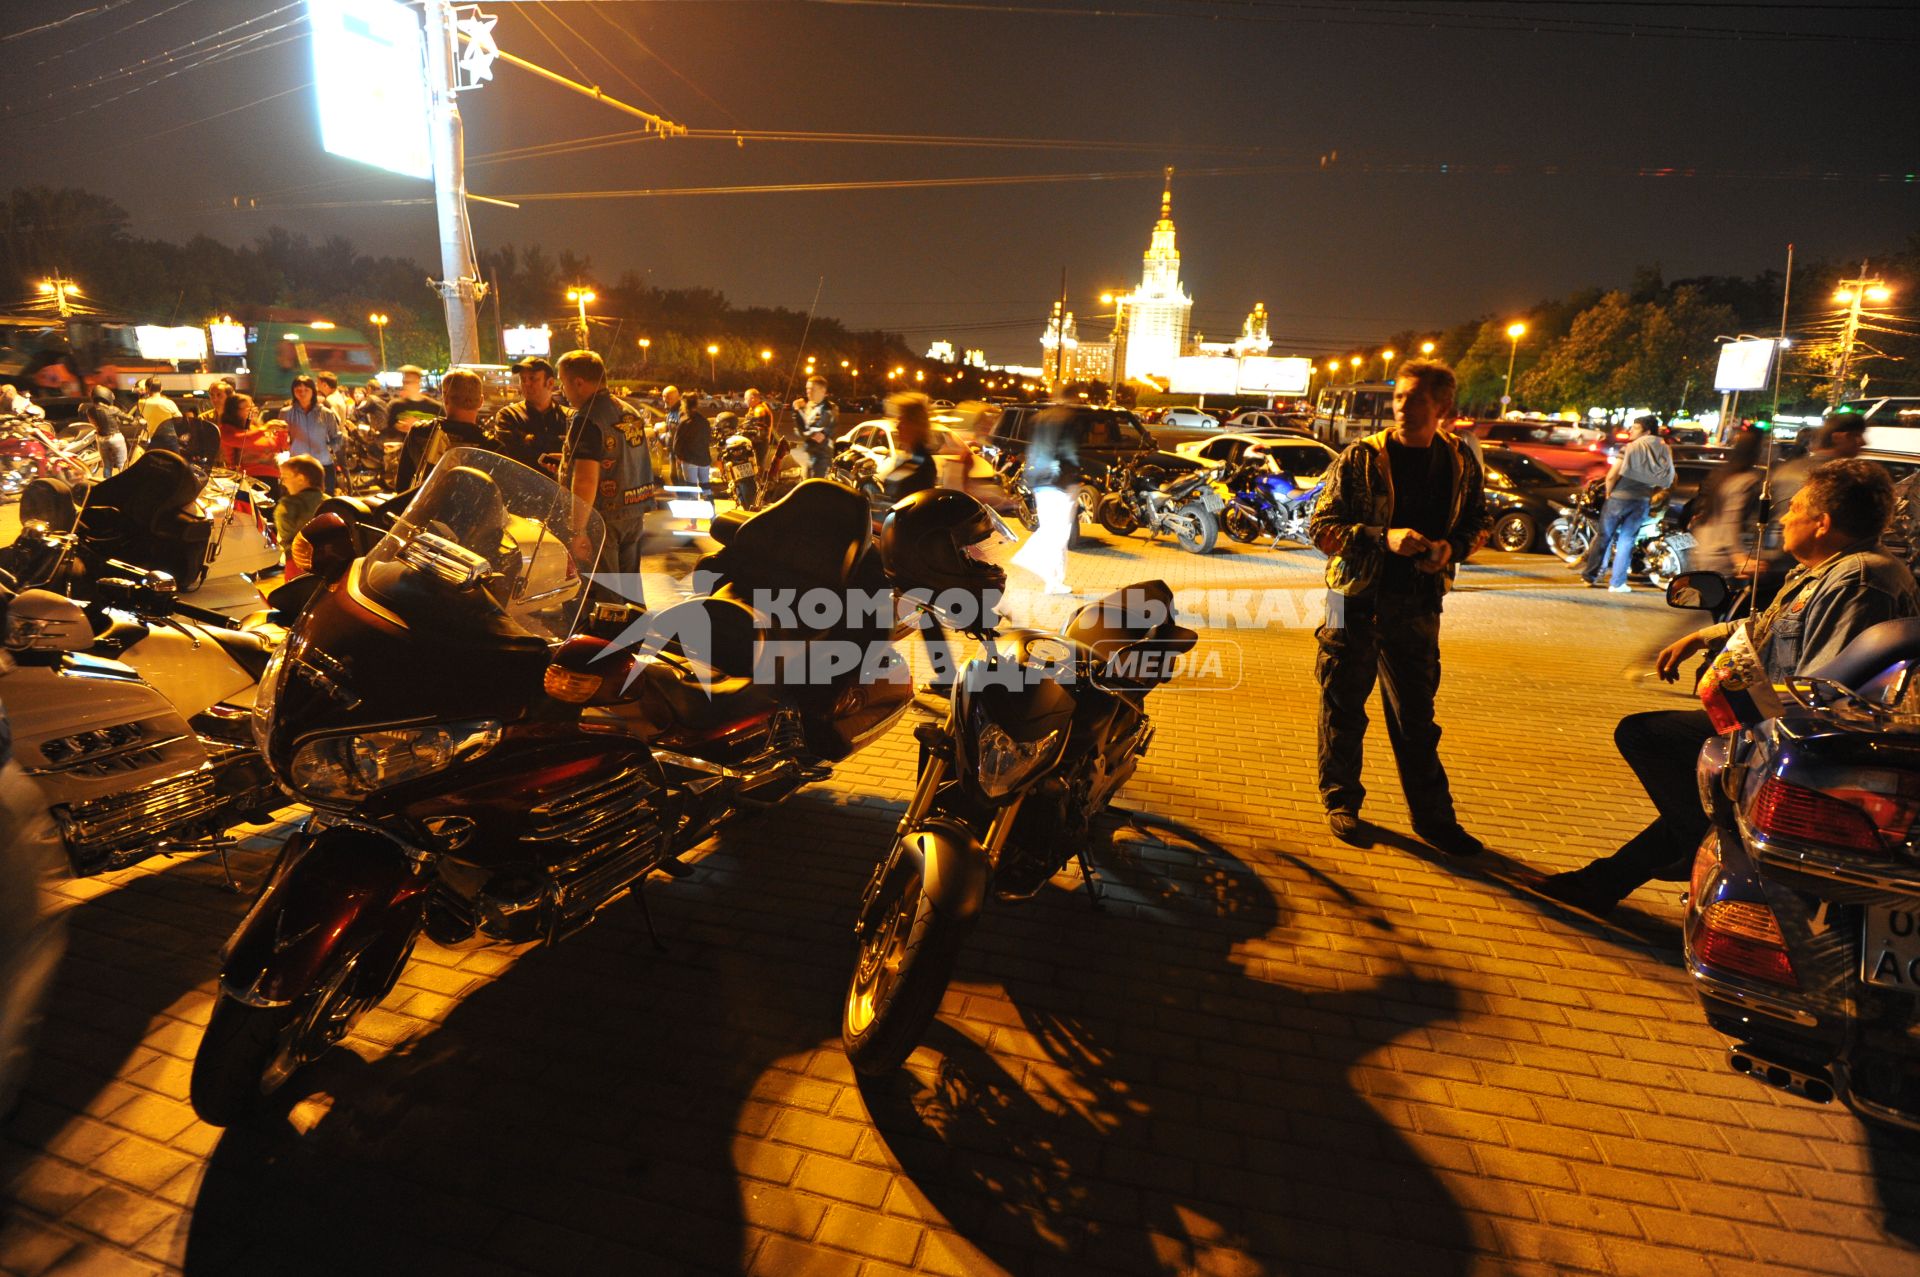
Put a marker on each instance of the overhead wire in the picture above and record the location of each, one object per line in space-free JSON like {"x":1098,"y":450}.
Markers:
{"x":68,"y":20}
{"x":600,"y":12}
{"x":618,"y":70}
{"x":117,"y":31}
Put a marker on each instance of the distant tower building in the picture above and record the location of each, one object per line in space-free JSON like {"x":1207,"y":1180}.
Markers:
{"x":974,"y":358}
{"x":941,"y":352}
{"x":1253,"y":334}
{"x":1057,"y":345}
{"x":1156,"y":315}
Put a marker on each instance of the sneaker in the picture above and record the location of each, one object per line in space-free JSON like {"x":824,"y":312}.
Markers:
{"x":1577,"y":890}
{"x":1622,"y":588}
{"x":1591,"y":583}
{"x":1451,"y":840}
{"x":1349,"y":828}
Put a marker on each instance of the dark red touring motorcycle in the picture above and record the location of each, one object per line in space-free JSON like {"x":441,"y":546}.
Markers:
{"x":481,"y":768}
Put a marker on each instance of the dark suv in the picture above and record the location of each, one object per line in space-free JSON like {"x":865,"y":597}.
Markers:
{"x":1105,"y":436}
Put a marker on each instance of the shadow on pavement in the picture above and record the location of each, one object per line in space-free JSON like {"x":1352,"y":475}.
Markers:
{"x":1176,"y":1113}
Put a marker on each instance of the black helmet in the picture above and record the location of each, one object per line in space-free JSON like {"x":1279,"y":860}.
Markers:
{"x":103,"y":394}
{"x":933,"y":540}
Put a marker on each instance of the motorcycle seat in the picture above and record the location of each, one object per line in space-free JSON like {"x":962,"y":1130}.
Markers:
{"x":1129,"y":622}
{"x":715,"y":635}
{"x":248,"y":648}
{"x":811,"y":538}
{"x":1872,"y":652}
{"x":50,"y":501}
{"x":673,"y":697}
{"x":149,"y":492}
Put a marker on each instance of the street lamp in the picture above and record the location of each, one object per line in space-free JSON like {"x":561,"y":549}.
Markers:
{"x":1515,"y":331}
{"x":1851,"y":293}
{"x":1356,"y":361}
{"x":380,"y":322}
{"x":646,"y":344}
{"x":919,"y":374}
{"x":713,"y":370}
{"x":766,"y":358}
{"x":1333,"y":367}
{"x":1426,"y":348}
{"x":1386,"y":362}
{"x":580,"y":297}
{"x":60,"y":289}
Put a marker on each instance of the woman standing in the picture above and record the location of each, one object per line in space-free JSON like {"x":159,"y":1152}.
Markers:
{"x":109,"y":430}
{"x":313,"y":428}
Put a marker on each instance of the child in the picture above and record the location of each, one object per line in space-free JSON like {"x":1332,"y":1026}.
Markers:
{"x":301,"y":476}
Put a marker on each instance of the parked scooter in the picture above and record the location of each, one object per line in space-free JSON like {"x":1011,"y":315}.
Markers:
{"x":1264,"y":502}
{"x":1803,"y":915}
{"x":1042,"y":733}
{"x":1141,"y":494}
{"x":482,"y":767}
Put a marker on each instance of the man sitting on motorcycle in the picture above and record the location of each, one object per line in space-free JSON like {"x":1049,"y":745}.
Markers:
{"x":1845,"y":582}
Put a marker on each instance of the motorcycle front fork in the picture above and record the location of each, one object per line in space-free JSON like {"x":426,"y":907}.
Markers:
{"x":931,"y":778}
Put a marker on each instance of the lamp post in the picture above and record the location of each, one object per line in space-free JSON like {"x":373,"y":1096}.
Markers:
{"x":1851,"y":293}
{"x":713,"y":368}
{"x":1515,"y":331}
{"x":1386,"y":362}
{"x":380,"y":320}
{"x":580,"y":297}
{"x":1426,"y":348}
{"x":1356,"y":361}
{"x":60,"y":289}
{"x":646,"y":344}
{"x":766,"y":360}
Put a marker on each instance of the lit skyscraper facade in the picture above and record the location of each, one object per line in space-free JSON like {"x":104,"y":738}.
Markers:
{"x":1156,"y":315}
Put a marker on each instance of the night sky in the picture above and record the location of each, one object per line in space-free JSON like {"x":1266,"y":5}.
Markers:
{"x":1787,"y":137}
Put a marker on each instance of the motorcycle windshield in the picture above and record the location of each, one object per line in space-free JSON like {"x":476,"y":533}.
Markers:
{"x":489,"y":542}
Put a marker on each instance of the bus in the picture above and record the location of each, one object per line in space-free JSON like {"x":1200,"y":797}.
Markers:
{"x":1342,"y":414}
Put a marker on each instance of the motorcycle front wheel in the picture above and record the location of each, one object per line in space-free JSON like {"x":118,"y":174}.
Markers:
{"x":1196,"y":528}
{"x":1568,"y":541}
{"x":249,"y":1052}
{"x":1241,"y":525}
{"x":907,"y":954}
{"x":1028,"y":516}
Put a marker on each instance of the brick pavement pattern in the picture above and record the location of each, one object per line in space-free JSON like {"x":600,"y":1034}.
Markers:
{"x":1269,"y":1053}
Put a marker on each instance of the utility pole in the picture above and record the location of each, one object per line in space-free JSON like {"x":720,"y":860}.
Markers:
{"x":1852,"y":292}
{"x":459,"y":285}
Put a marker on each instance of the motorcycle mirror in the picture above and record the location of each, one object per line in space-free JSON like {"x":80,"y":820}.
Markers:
{"x":1698,"y":591}
{"x":161,"y":582}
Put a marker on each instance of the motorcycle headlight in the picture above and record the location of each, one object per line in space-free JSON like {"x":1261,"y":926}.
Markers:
{"x":353,"y":766}
{"x":267,"y":692}
{"x":1002,"y":762}
{"x":1560,"y":508}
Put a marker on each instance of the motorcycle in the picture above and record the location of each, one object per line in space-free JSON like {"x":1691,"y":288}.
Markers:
{"x":740,"y":469}
{"x":486,"y":767}
{"x":29,"y":449}
{"x":1141,"y":494}
{"x":1802,"y":926}
{"x":1660,"y":546}
{"x":130,"y":713}
{"x":1263,"y":503}
{"x":1009,"y":471}
{"x":1042,"y":732}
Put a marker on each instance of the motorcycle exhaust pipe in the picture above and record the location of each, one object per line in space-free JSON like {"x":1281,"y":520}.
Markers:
{"x":1781,"y":1076}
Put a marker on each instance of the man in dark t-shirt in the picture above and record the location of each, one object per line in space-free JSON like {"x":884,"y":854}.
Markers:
{"x":460,"y":428}
{"x":412,"y":406}
{"x":533,"y":431}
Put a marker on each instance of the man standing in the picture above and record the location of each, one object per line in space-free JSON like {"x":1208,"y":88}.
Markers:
{"x":333,"y":397}
{"x":460,"y":428}
{"x":1845,"y":583}
{"x":606,"y":460}
{"x":534,"y":430}
{"x":413,"y":406}
{"x":693,"y":442}
{"x":1643,"y":467}
{"x":1401,"y":509}
{"x":816,"y":427}
{"x":155,"y":407}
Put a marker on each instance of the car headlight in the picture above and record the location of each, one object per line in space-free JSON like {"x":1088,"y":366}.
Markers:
{"x":1003,"y":763}
{"x":353,"y":766}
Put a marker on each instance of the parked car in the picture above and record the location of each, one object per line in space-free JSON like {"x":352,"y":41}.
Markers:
{"x":1190,"y":419}
{"x":1526,"y":496}
{"x":1548,"y":442}
{"x":1266,"y":419}
{"x":1104,"y":436}
{"x":875,"y":439}
{"x":1226,"y":449}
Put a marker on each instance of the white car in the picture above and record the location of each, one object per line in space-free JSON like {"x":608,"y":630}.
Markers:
{"x":1297,"y":455}
{"x":876,"y":439}
{"x":1189,"y":419}
{"x":1258,"y":419}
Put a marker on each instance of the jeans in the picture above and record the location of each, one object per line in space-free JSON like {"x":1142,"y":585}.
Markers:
{"x":819,"y":460}
{"x":694,"y":476}
{"x":1045,"y":553}
{"x":1396,"y":639}
{"x":1620,"y":522}
{"x":113,"y":454}
{"x":1663,"y":747}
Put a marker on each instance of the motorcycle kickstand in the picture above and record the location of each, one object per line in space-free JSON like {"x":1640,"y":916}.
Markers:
{"x":1089,"y":879}
{"x":220,"y":844}
{"x":646,"y":916}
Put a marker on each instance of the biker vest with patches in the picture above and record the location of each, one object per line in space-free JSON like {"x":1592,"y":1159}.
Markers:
{"x":626,"y":467}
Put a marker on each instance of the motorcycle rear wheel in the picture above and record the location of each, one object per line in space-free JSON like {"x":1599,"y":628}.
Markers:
{"x":1196,"y":528}
{"x":1115,"y":517}
{"x":1568,"y":541}
{"x":1241,"y":526}
{"x":907,"y":957}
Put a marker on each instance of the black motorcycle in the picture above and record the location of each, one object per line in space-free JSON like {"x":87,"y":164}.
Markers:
{"x":1041,"y":734}
{"x":1142,"y":493}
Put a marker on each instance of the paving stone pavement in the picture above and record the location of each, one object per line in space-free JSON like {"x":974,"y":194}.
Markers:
{"x":1269,"y":1053}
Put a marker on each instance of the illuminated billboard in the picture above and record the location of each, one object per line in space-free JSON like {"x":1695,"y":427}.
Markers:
{"x":1263,"y":375}
{"x":370,"y":83}
{"x":523,"y":341}
{"x":1205,"y":375}
{"x":170,"y":343}
{"x":229,"y":338}
{"x":1744,"y":365}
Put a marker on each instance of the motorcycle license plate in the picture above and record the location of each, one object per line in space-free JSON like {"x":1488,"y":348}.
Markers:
{"x":1890,"y":948}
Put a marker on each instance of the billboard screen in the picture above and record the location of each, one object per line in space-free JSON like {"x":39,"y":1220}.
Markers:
{"x":1205,"y":375}
{"x":228,"y":338}
{"x":370,"y":83}
{"x":1263,"y":375}
{"x":1744,"y":365}
{"x":170,"y":343}
{"x":524,"y":341}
